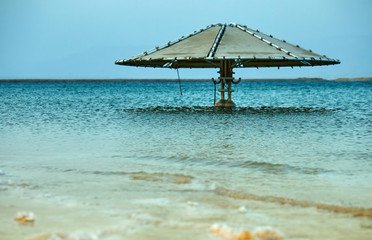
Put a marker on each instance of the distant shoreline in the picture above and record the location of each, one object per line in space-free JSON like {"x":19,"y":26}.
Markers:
{"x":193,"y":80}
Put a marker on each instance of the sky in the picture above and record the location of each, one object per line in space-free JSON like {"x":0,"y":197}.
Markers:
{"x":81,"y":39}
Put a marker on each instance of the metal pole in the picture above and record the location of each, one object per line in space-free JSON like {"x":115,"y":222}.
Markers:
{"x":226,"y":77}
{"x":222,"y":74}
{"x":229,"y":92}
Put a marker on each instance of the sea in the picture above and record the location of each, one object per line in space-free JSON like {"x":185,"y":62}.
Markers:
{"x":140,"y":160}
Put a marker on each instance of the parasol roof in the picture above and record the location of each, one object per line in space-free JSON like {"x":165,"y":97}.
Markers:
{"x":244,"y":47}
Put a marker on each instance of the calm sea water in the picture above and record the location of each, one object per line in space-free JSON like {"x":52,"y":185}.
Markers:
{"x":288,"y":153}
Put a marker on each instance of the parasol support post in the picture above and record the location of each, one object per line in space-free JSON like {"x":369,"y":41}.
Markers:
{"x":226,"y":78}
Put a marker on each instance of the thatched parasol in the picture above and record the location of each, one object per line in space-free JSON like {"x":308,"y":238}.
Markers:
{"x":227,"y":46}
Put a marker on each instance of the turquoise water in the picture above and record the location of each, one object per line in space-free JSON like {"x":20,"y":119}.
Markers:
{"x":307,"y":145}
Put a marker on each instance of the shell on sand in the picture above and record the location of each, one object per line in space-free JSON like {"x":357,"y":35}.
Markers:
{"x":227,"y":233}
{"x":267,"y":234}
{"x":25,"y":217}
{"x":260,"y":234}
{"x":54,"y":236}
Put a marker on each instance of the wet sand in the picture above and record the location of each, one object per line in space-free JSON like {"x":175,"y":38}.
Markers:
{"x":167,"y":215}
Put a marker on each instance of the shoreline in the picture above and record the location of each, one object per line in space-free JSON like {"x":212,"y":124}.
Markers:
{"x":369,"y":79}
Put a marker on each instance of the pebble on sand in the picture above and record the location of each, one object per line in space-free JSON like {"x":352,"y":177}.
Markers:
{"x":242,"y":209}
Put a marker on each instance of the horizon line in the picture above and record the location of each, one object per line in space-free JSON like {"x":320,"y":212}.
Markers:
{"x":312,"y":79}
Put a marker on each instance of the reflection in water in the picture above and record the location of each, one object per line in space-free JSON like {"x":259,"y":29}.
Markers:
{"x":235,"y":110}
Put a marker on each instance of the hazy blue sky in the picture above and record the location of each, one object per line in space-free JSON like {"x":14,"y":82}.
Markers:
{"x":83,"y":38}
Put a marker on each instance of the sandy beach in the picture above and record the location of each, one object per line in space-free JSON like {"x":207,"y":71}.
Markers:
{"x":172,"y":216}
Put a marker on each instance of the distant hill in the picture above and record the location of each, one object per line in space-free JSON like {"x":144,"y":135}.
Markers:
{"x":353,"y":79}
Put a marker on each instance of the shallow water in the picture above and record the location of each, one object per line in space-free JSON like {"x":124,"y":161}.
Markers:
{"x":297,"y":155}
